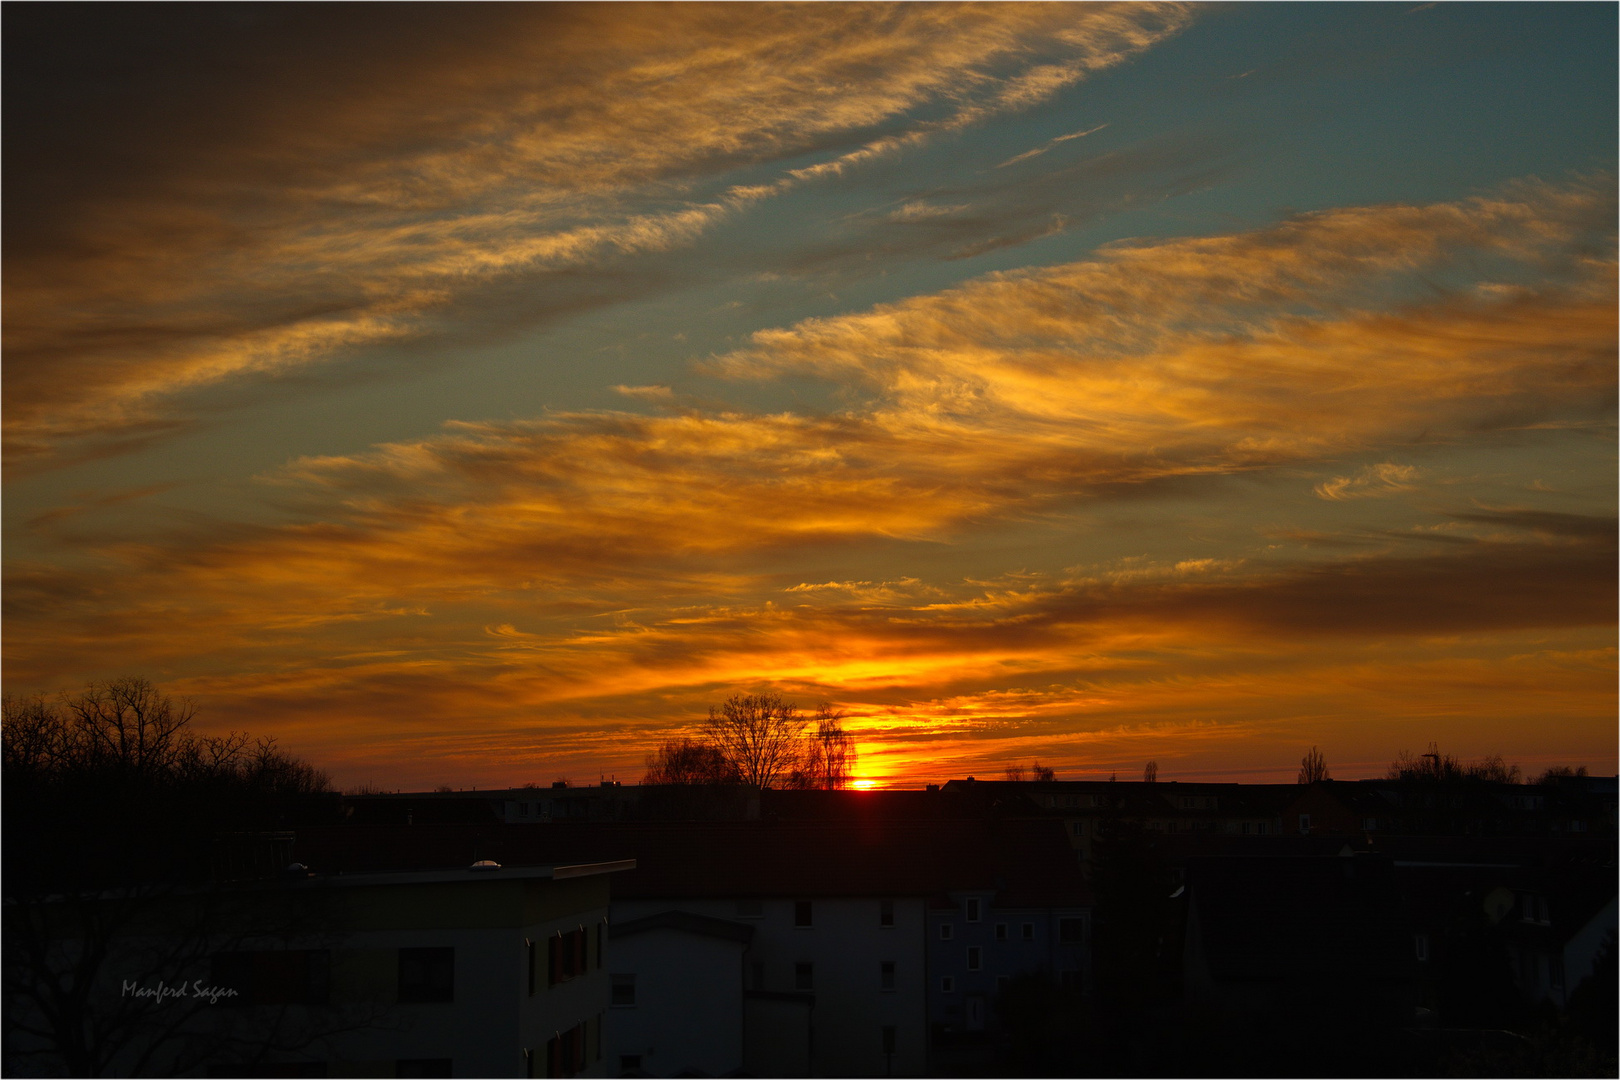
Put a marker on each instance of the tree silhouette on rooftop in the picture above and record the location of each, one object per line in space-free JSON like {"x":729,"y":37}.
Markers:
{"x":759,"y":734}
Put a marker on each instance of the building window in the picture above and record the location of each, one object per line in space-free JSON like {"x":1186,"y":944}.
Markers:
{"x":427,"y":974}
{"x":802,"y":913}
{"x":1071,"y":931}
{"x":523,"y":809}
{"x":750,"y":908}
{"x":888,"y":1039}
{"x":1079,"y":828}
{"x":804,"y":976}
{"x":1001,"y":931}
{"x":946,"y":930}
{"x":885,"y":912}
{"x":624,"y":991}
{"x":566,"y":955}
{"x":973,"y":909}
{"x":973,"y":958}
{"x":947,"y":985}
{"x":1369,"y":824}
{"x":886,"y":975}
{"x":1420,"y":946}
{"x":1245,"y":828}
{"x":1029,"y":931}
{"x":1259,"y":828}
{"x":569,"y":1052}
{"x":1304,"y":824}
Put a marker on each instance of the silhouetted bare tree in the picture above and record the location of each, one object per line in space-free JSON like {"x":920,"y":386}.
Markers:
{"x":127,"y":840}
{"x":1430,"y":765}
{"x":1313,"y":767}
{"x":1435,"y":767}
{"x":759,"y":735}
{"x":1036,"y":771}
{"x":688,"y":761}
{"x":829,"y":758}
{"x":1150,"y":772}
{"x":1560,"y":772}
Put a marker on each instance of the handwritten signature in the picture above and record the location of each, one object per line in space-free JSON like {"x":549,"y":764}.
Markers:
{"x":194,"y":990}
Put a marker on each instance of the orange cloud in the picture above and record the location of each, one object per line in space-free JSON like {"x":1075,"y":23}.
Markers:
{"x":595,"y":579}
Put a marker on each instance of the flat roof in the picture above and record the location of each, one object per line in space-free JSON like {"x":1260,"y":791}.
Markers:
{"x":469,"y":874}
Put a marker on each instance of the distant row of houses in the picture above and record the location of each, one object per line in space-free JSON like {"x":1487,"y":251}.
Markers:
{"x":620,"y":931}
{"x":1347,"y":808}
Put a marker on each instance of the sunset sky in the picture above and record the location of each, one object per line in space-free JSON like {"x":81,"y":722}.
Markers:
{"x":476,"y":394}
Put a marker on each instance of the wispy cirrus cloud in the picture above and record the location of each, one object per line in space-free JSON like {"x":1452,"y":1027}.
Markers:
{"x":638,"y":562}
{"x":1291,"y":340}
{"x":316,"y":186}
{"x":1000,"y":398}
{"x":939,"y":672}
{"x":1370,"y":482}
{"x":1044,"y":147}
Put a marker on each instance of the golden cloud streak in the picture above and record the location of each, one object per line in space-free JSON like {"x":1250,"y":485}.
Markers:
{"x":572,"y":138}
